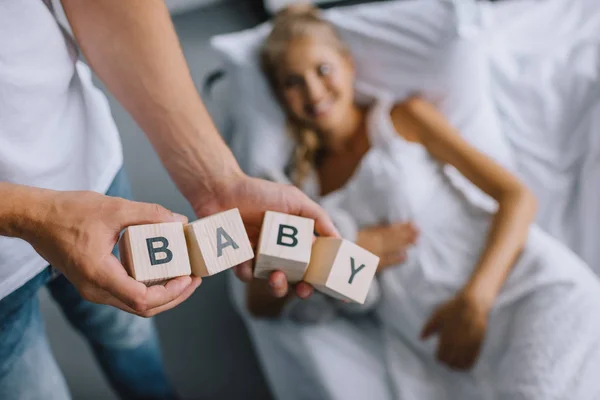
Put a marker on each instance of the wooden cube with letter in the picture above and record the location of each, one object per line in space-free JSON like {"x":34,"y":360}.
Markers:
{"x":217,"y":242}
{"x":285,"y":244}
{"x":341,"y":269}
{"x":155,"y":253}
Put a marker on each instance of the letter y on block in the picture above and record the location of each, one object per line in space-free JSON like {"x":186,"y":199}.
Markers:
{"x":341,"y":269}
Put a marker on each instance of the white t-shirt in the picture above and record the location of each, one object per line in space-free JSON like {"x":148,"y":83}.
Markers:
{"x":56,"y":129}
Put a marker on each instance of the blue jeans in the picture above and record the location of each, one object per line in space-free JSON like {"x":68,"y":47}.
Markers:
{"x":126,"y":346}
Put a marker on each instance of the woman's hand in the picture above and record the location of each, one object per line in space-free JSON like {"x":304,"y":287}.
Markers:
{"x":388,"y":242}
{"x":461,"y":324}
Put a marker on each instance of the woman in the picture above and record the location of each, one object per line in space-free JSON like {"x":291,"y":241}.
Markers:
{"x":512,"y":311}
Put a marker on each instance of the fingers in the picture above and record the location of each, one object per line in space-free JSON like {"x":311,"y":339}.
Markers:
{"x":134,"y":294}
{"x":411,"y":233}
{"x":394,"y":258}
{"x":305,"y":207}
{"x":432,"y":326}
{"x":456,"y":353}
{"x":447,"y":353}
{"x":277,"y":282}
{"x":459,"y":345}
{"x":304,"y":290}
{"x":189,"y":290}
{"x":278,"y":285}
{"x":107,"y":298}
{"x":137,"y":213}
{"x":404,"y":234}
{"x":324,"y":226}
{"x":244,"y":272}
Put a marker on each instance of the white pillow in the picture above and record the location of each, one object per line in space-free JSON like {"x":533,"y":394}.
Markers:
{"x":406,"y":47}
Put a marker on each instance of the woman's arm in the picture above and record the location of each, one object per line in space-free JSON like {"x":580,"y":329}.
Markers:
{"x":462,"y":321}
{"x":517,"y":205}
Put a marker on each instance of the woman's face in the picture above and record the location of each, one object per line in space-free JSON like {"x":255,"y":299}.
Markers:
{"x":317,"y":83}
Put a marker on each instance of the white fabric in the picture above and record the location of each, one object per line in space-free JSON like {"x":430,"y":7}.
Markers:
{"x":550,"y":295}
{"x":453,"y":234}
{"x":422,"y":54}
{"x":56,"y":130}
{"x":319,"y":361}
{"x":547,"y":90}
{"x":540,"y":94}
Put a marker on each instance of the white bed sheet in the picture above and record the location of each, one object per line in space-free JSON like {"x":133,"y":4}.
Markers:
{"x":547,"y":92}
{"x":545,"y":66}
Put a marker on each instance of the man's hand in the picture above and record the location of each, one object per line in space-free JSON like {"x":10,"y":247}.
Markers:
{"x":76,"y":233}
{"x":160,"y":95}
{"x":253,"y":197}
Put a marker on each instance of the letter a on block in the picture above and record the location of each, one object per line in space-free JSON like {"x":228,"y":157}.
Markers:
{"x":224,"y":240}
{"x":341,"y":269}
{"x":155,"y":253}
{"x":285,"y":244}
{"x":217,"y":243}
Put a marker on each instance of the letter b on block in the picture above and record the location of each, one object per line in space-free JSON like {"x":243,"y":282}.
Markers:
{"x":163,"y":248}
{"x":155,"y":253}
{"x":287,"y":236}
{"x":285,"y":244}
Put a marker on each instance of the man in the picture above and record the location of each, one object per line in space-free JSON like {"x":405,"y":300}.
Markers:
{"x":62,"y":191}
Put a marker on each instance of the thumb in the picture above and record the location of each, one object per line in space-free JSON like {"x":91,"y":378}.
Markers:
{"x":432,"y":326}
{"x":291,"y":200}
{"x":137,"y":213}
{"x":309,"y":209}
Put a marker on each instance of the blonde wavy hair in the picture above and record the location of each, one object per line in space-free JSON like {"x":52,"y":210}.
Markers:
{"x":293,"y":22}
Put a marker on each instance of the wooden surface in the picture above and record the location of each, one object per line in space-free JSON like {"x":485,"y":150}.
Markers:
{"x":341,"y":269}
{"x":217,"y":243}
{"x":155,"y":253}
{"x":285,"y":244}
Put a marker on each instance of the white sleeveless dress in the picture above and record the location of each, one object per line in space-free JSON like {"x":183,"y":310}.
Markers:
{"x":543,"y":339}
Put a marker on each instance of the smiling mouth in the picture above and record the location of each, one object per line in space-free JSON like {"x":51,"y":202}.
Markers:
{"x":320,"y":109}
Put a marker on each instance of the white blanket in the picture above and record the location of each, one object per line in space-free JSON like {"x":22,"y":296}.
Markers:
{"x":545,"y":62}
{"x":547,"y":90}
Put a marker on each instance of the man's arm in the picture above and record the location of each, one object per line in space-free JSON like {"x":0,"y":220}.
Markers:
{"x":76,"y":232}
{"x":14,"y":215}
{"x":132,"y":46}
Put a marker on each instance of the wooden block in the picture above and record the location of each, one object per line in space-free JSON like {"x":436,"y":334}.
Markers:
{"x":155,"y":253}
{"x":341,"y":269}
{"x":217,"y":243}
{"x":285,"y":244}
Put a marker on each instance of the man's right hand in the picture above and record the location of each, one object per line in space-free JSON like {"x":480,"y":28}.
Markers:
{"x":388,"y":242}
{"x":76,"y":233}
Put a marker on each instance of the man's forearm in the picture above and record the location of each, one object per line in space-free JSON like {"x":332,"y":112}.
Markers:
{"x":18,"y":211}
{"x":134,"y":49}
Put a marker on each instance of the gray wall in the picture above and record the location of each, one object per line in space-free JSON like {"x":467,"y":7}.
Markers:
{"x":206,"y":350}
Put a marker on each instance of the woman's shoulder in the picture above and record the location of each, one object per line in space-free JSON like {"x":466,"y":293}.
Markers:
{"x":404,"y":115}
